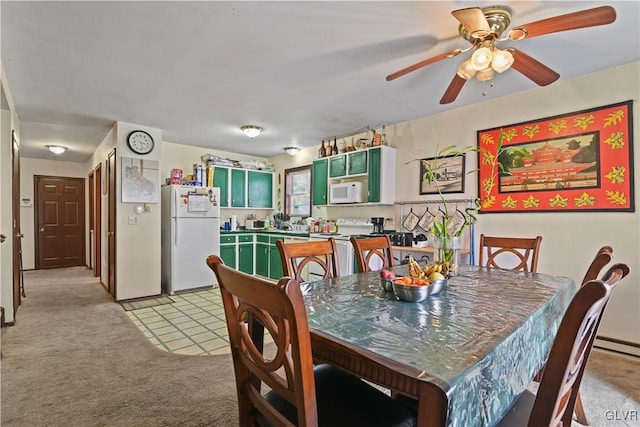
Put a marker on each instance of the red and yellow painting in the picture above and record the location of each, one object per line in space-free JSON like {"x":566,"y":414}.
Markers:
{"x":582,"y":161}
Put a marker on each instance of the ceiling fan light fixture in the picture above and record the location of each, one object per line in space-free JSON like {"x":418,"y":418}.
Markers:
{"x":466,"y":70}
{"x":251,"y":131}
{"x":481,"y":58}
{"x":502,"y":60}
{"x":484,"y":75}
{"x":57,"y":149}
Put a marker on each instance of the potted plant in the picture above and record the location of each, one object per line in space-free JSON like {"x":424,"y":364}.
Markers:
{"x":447,"y":229}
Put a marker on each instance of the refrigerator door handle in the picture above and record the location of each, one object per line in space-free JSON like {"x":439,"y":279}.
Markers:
{"x":175,"y":227}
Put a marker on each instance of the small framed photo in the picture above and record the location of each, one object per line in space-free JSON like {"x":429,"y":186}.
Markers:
{"x":448,"y":174}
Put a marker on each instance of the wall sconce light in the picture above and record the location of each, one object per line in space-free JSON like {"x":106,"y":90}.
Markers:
{"x":292,"y":151}
{"x":57,"y":149}
{"x":251,"y":131}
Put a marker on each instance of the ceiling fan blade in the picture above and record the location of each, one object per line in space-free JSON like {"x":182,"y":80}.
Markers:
{"x":453,"y":90}
{"x":532,"y":69}
{"x":421,"y":64}
{"x":472,"y":19}
{"x":586,"y":18}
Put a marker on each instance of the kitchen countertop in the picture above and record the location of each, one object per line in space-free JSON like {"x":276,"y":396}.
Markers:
{"x":276,"y":232}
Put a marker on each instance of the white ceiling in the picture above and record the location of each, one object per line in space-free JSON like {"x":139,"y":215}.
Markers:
{"x":304,"y":71}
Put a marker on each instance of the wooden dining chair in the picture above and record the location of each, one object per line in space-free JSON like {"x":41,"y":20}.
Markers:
{"x":377,"y":249}
{"x":323,"y":254}
{"x":602,"y":258}
{"x":300,"y":394}
{"x":510,"y":253}
{"x":553,"y":404}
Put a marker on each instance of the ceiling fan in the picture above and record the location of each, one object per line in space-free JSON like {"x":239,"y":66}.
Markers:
{"x":484,"y":27}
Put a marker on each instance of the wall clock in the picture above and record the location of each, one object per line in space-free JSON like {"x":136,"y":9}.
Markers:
{"x":140,"y":142}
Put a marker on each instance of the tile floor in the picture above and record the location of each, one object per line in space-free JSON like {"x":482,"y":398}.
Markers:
{"x":193,"y":324}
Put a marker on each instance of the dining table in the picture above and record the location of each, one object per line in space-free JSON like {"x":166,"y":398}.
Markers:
{"x":464,"y":354}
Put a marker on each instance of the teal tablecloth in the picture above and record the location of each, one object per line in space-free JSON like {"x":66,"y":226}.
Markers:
{"x":482,"y":339}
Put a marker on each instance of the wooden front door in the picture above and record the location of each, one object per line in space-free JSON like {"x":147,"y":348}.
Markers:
{"x":59,"y":222}
{"x":92,"y":221}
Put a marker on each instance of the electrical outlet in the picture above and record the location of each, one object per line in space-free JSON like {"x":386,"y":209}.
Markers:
{"x":133,"y":220}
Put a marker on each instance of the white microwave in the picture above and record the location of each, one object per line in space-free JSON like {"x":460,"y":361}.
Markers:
{"x":346,"y":192}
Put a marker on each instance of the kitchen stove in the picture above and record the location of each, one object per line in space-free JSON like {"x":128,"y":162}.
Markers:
{"x":347,"y":227}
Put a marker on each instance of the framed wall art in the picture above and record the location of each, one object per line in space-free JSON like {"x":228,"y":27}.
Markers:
{"x":448,"y":174}
{"x":576,"y":162}
{"x":140,"y":180}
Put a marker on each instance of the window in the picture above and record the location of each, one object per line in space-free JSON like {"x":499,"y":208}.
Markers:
{"x":297,"y":191}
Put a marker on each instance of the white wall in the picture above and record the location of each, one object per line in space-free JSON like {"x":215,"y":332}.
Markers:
{"x":8,"y":122}
{"x":28,"y":169}
{"x":570,"y":239}
{"x":137,"y":246}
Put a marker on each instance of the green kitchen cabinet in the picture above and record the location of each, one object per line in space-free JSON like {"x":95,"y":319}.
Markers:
{"x":337,"y":166}
{"x":260,"y":189}
{"x":262,"y":255}
{"x":319,"y":177}
{"x":245,"y":257}
{"x":374,"y":175}
{"x":228,"y":255}
{"x":238,"y":188}
{"x":221,"y":180}
{"x":275,"y":263}
{"x":358,"y":162}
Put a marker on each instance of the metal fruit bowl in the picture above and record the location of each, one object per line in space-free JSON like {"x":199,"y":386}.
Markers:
{"x":387,"y":284}
{"x":417,"y":293}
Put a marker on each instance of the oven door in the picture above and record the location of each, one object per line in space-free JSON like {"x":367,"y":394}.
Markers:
{"x":345,"y":260}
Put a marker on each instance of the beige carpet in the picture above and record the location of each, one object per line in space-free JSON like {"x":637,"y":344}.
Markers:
{"x":75,"y":359}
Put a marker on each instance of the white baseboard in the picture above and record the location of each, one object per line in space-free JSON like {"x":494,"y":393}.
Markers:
{"x":617,"y":345}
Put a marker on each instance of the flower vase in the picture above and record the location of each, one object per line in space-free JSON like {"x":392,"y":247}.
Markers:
{"x":447,"y":252}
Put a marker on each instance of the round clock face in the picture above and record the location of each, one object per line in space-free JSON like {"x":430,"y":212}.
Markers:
{"x":140,"y":142}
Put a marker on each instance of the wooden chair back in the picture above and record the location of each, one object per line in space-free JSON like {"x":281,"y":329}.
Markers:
{"x":556,"y":397}
{"x":296,"y":256}
{"x":251,"y":305}
{"x":602,"y":258}
{"x":368,"y":249}
{"x":499,"y":252}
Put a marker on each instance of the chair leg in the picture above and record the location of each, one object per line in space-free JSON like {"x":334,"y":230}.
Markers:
{"x":578,"y":410}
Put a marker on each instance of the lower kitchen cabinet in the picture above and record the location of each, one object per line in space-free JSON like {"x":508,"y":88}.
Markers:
{"x":245,"y":258}
{"x":228,"y":255}
{"x":275,"y":263}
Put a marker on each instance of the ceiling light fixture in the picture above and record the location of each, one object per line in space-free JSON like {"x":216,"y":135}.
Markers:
{"x":57,"y":149}
{"x":485,"y":62}
{"x":292,"y":151}
{"x":251,"y":131}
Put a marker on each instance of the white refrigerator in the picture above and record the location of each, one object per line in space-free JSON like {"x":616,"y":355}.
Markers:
{"x":190,"y":233}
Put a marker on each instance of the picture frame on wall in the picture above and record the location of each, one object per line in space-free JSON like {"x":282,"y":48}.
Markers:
{"x":449,"y":174}
{"x":576,"y":162}
{"x":140,"y":180}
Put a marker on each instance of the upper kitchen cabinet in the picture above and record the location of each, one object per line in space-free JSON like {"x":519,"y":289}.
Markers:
{"x":242,"y":188}
{"x":375,"y":167}
{"x":221,"y":180}
{"x":260,"y":189}
{"x":238,"y":188}
{"x":353,"y":163}
{"x":319,"y":176}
